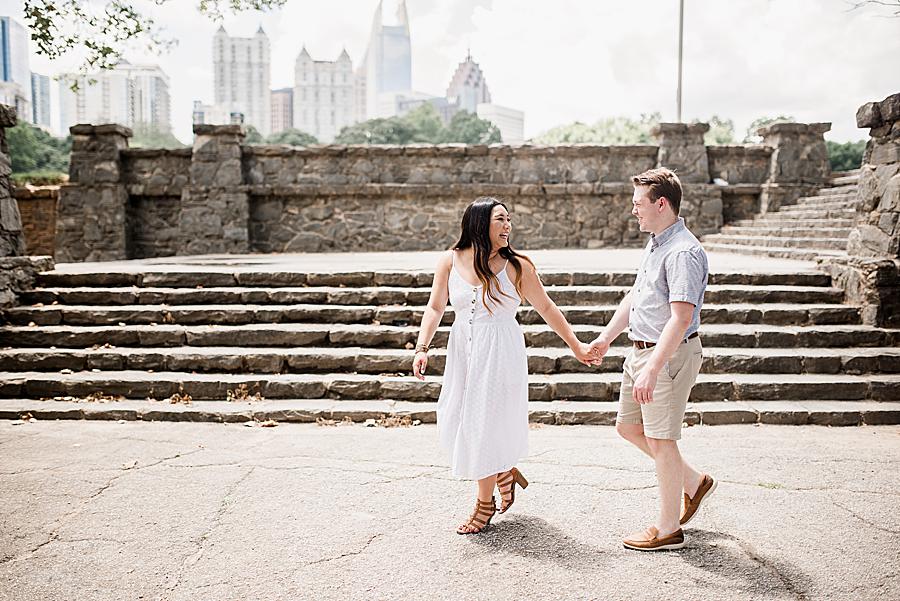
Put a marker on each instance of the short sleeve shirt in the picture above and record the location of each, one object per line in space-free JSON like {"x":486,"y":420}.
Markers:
{"x":674,"y":268}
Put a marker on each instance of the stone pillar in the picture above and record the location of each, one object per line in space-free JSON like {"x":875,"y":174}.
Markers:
{"x":798,"y":165}
{"x":92,"y":206}
{"x":870,"y":274}
{"x":215,"y":208}
{"x":682,"y":149}
{"x":878,"y":231}
{"x":12,"y":240}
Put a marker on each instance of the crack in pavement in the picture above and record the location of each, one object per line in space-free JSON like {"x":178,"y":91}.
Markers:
{"x":789,"y":585}
{"x":864,"y":520}
{"x":61,"y":521}
{"x":348,"y":554}
{"x":200,"y":542}
{"x":812,"y":488}
{"x":593,"y":465}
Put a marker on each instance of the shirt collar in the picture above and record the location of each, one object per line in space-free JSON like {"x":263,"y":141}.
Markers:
{"x":668,"y":233}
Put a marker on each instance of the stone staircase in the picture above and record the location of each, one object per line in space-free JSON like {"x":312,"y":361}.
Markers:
{"x":817,"y":226}
{"x":254,"y":345}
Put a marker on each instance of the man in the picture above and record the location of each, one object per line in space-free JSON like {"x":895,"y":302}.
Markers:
{"x":662,"y":312}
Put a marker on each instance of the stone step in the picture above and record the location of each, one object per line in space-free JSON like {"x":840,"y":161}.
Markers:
{"x":848,"y":200}
{"x":153,"y":281}
{"x":773,"y":220}
{"x":306,"y":335}
{"x":806,"y":289}
{"x":795,"y":254}
{"x":764,"y":229}
{"x":778,"y":242}
{"x":843,"y":188}
{"x":850,"y":179}
{"x":771,"y":313}
{"x":541,"y":387}
{"x":823,"y":413}
{"x":804,"y":213}
{"x":823,"y":205}
{"x":391,"y":360}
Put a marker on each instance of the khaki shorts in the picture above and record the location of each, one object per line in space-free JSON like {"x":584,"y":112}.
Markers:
{"x":663,"y":417}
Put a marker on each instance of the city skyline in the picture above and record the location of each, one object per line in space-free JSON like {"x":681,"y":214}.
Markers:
{"x":574,"y":62}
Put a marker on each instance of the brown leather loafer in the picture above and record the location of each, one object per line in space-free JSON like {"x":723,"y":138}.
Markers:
{"x":706,"y":488}
{"x":649,"y":540}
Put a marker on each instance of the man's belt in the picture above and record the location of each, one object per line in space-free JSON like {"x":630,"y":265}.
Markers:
{"x":645,"y":345}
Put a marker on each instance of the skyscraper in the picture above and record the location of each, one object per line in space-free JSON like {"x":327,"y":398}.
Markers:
{"x":282,"y":109}
{"x":388,"y":63}
{"x":241,"y":77}
{"x":40,"y":99}
{"x":323,"y":95}
{"x":468,"y":87}
{"x":132,"y":95}
{"x":15,"y":75}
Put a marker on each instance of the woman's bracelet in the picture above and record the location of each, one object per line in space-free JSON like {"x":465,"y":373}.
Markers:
{"x":422,"y":348}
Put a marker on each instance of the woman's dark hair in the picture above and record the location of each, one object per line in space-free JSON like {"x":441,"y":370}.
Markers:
{"x":475,"y":233}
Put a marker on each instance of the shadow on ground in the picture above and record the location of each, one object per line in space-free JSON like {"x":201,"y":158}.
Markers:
{"x":535,"y":538}
{"x":728,"y":557}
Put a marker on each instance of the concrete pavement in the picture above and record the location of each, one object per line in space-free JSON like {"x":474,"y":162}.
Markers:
{"x":130,"y":510}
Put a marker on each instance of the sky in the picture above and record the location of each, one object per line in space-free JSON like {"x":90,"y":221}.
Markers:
{"x":573,"y":60}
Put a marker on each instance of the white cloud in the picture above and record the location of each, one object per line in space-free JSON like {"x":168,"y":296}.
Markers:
{"x":573,"y":60}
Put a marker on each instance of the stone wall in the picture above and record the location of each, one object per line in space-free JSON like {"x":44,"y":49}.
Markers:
{"x":17,"y":274}
{"x":222,"y":196}
{"x":871,"y":273}
{"x":90,"y":223}
{"x":37,"y":205}
{"x":12,"y":241}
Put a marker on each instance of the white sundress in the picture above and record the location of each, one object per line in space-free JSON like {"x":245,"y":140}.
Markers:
{"x":482,"y":411}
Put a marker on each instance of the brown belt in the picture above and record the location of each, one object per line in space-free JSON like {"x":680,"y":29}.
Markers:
{"x":645,"y":345}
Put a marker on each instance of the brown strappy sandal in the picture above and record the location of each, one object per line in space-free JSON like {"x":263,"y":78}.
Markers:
{"x":477,"y":519}
{"x":506,"y":484}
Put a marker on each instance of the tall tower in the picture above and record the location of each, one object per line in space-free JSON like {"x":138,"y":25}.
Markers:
{"x":468,"y":88}
{"x":15,"y":74}
{"x":323,"y":95}
{"x":241,"y":76}
{"x":388,"y":63}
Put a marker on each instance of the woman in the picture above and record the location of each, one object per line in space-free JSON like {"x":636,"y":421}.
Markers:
{"x":483,"y":407}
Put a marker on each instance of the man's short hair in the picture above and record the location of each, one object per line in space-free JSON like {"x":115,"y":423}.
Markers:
{"x":661,"y":182}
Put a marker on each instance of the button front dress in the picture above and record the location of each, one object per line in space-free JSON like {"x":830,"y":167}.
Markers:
{"x":482,"y":411}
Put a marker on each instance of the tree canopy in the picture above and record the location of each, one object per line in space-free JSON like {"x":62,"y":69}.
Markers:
{"x":421,"y":125}
{"x":612,"y":130}
{"x":293,"y":137}
{"x":32,"y":149}
{"x":148,"y":136}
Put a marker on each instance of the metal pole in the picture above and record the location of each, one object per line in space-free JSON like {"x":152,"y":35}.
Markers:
{"x":680,"y":46}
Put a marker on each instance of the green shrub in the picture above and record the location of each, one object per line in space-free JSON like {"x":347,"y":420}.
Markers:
{"x":45,"y":177}
{"x":846,"y":156}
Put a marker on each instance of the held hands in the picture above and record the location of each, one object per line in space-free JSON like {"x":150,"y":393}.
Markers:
{"x":420,"y":362}
{"x":585,"y":354}
{"x":599,"y":348}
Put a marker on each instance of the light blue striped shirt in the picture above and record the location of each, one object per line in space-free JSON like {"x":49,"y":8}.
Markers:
{"x":674,"y":268}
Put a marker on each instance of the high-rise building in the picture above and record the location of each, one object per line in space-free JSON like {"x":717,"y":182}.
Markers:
{"x":132,"y":95}
{"x":15,"y":75}
{"x":241,"y":77}
{"x":388,"y":63}
{"x":468,"y":88}
{"x":510,"y":122}
{"x":359,"y":94}
{"x":323,"y":95}
{"x":40,"y":100}
{"x":282,"y":109}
